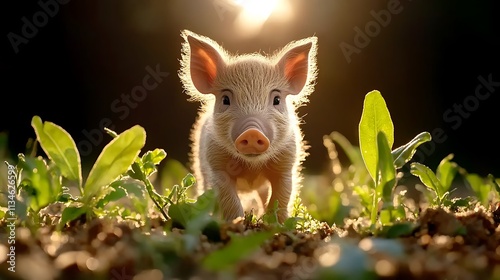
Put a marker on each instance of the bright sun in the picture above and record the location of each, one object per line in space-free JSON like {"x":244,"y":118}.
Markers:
{"x":254,"y":14}
{"x":258,"y":9}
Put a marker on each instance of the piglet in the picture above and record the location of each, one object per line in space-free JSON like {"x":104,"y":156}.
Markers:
{"x":247,"y":136}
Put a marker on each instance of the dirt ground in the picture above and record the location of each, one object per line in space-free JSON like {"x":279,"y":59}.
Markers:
{"x":439,"y":245}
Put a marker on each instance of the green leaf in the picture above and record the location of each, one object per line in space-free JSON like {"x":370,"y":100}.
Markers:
{"x":202,"y":223}
{"x":42,"y":185}
{"x":71,"y":213}
{"x":150,"y":159}
{"x":188,"y":181}
{"x":391,"y":214}
{"x":352,"y":152}
{"x":400,"y":230}
{"x":478,"y":186}
{"x":185,"y":212}
{"x":59,"y":147}
{"x":495,"y":183}
{"x":365,"y":195}
{"x":238,"y":248}
{"x":427,"y":177}
{"x":155,"y":156}
{"x":290,"y":223}
{"x":115,"y":159}
{"x":116,"y":192}
{"x":427,"y":193}
{"x":386,"y":169}
{"x":446,"y":172}
{"x":205,"y":203}
{"x":134,"y":188}
{"x":374,"y":119}
{"x":271,"y":215}
{"x":404,"y":153}
{"x":180,"y":213}
{"x":466,"y":202}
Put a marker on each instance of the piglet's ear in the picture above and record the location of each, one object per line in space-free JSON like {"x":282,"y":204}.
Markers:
{"x":298,"y":64}
{"x":205,"y":63}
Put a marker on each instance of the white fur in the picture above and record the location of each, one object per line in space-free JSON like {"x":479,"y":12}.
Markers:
{"x":251,"y":78}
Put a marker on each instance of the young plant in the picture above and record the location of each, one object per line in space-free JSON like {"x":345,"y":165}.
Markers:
{"x":114,"y":160}
{"x":40,"y":180}
{"x":438,"y":184}
{"x":142,"y":169}
{"x":39,"y":185}
{"x":485,"y":189}
{"x":376,"y":137}
{"x":238,"y":249}
{"x":300,"y":218}
{"x":192,"y":214}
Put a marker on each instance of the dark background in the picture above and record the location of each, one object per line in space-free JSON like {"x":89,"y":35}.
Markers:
{"x":89,"y":53}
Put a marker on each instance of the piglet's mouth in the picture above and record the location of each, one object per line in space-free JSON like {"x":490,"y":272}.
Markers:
{"x":252,"y":155}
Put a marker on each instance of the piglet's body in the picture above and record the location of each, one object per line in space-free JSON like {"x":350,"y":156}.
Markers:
{"x":247,"y":136}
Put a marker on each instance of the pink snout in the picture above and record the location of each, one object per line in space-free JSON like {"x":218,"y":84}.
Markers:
{"x":252,"y":141}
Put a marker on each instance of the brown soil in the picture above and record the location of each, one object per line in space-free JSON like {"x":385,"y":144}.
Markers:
{"x":442,"y":245}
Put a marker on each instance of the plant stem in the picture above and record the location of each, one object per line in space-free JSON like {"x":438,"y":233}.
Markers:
{"x":154,"y":196}
{"x":374,"y":208}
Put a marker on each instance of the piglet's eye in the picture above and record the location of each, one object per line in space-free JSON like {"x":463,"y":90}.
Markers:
{"x":225,"y":100}
{"x":276,"y":100}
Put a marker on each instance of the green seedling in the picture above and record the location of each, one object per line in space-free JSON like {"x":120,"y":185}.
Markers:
{"x":238,"y":248}
{"x":142,"y":169}
{"x":376,"y":137}
{"x":40,"y":180}
{"x":191,"y":214}
{"x":114,"y":160}
{"x":40,"y":185}
{"x":485,"y":189}
{"x":356,"y":177}
{"x":438,"y":184}
{"x":301,"y":219}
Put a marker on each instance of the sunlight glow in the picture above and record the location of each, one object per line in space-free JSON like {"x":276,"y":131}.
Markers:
{"x":259,"y":10}
{"x":254,"y":13}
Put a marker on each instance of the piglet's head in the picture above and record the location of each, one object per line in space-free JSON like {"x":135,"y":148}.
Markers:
{"x":251,"y":98}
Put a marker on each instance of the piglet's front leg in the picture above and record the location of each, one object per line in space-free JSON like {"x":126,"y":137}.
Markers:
{"x":229,"y":202}
{"x":281,"y":184}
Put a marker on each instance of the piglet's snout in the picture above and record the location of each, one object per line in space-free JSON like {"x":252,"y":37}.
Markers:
{"x":252,"y":141}
{"x":252,"y":134}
